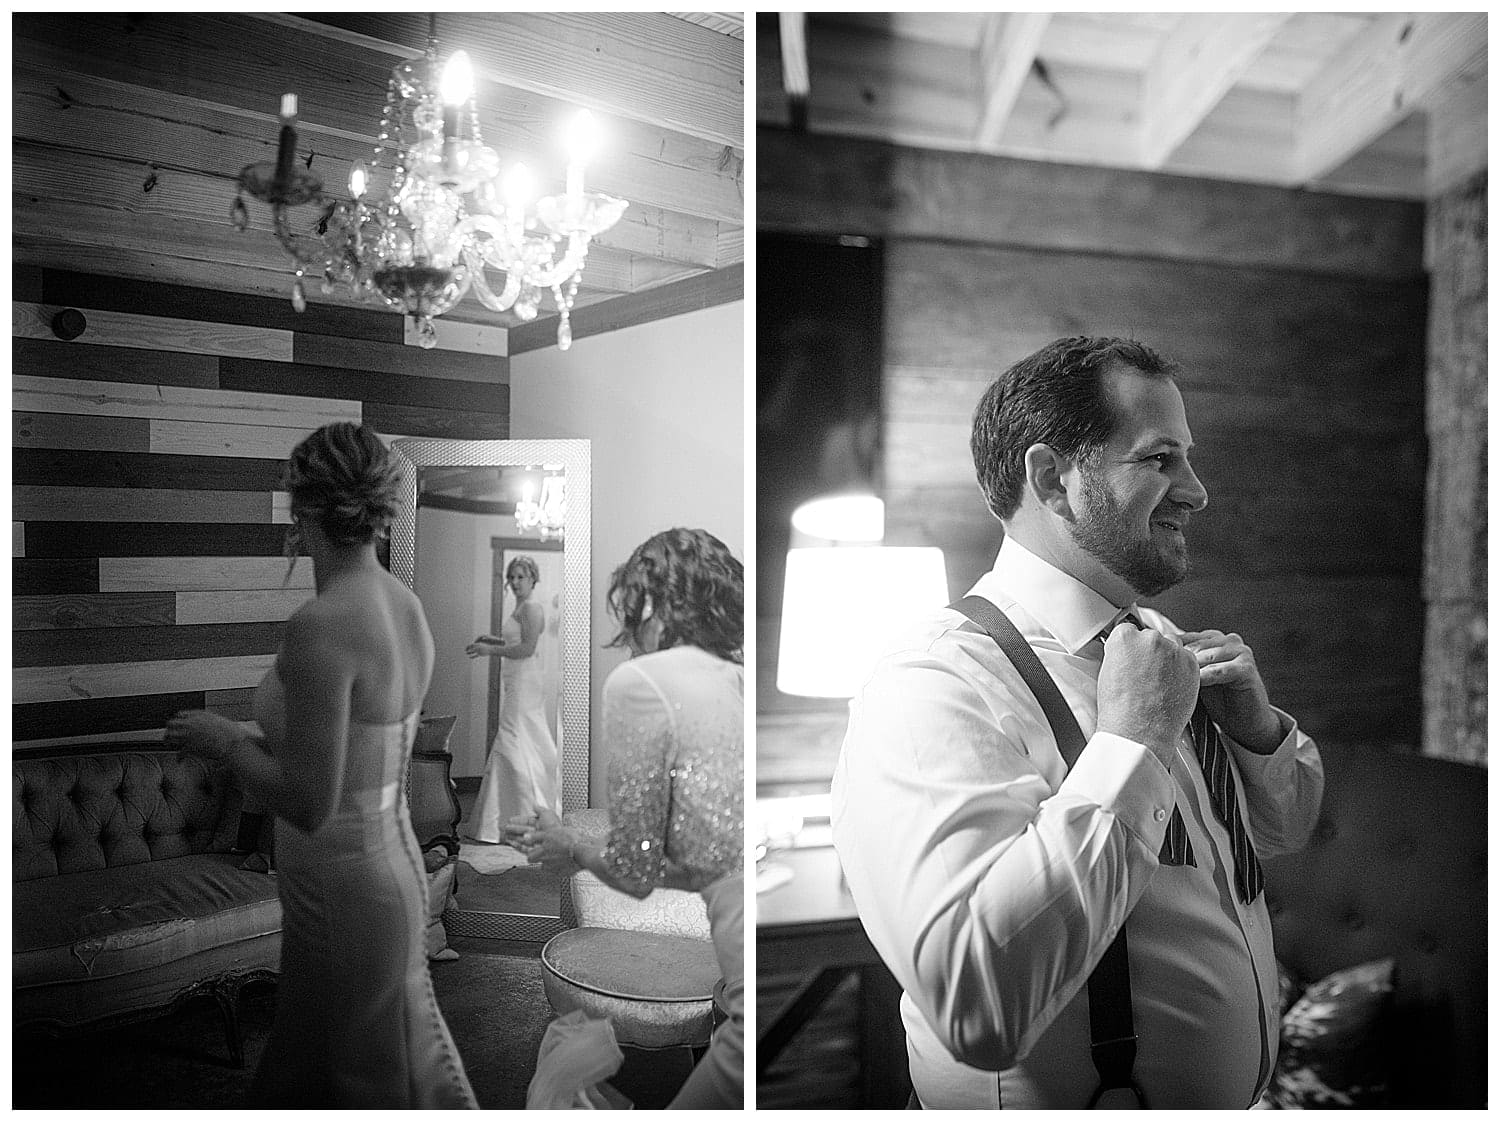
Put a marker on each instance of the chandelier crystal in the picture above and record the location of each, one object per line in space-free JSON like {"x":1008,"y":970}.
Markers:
{"x":432,"y":216}
{"x":546,"y":515}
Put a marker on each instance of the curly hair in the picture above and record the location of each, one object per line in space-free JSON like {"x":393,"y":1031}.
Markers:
{"x":1053,"y":397}
{"x":526,"y":565}
{"x":695,"y":586}
{"x":344,"y":477}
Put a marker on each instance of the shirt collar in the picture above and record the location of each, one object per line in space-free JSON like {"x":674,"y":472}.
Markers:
{"x":1072,"y":611}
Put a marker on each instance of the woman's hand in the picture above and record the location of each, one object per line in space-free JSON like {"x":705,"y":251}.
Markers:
{"x":484,"y":645}
{"x":210,"y":735}
{"x":546,"y":839}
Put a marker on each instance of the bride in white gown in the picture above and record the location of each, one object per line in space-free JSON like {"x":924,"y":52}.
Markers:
{"x":521,"y":772}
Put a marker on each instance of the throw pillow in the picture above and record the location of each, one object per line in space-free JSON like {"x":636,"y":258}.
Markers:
{"x":1332,"y":1043}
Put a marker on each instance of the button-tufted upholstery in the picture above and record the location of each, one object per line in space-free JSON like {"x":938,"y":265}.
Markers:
{"x":1397,"y":866}
{"x":74,"y":813}
{"x":125,"y":899}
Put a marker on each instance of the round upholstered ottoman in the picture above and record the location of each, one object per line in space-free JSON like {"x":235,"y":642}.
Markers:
{"x":656,"y":990}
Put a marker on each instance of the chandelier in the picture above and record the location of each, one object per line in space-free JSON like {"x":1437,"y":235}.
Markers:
{"x":547,"y":514}
{"x":432,"y":214}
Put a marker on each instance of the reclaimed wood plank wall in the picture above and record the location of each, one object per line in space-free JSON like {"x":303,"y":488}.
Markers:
{"x":1300,"y":322}
{"x":148,"y":515}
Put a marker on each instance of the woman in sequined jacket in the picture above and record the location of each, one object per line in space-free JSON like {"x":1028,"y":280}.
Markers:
{"x":674,"y":736}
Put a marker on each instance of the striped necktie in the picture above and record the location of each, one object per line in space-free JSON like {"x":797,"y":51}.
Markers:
{"x":1213,"y":760}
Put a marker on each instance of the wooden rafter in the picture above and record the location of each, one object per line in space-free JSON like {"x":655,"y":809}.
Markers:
{"x":1195,"y":66}
{"x":1007,"y":48}
{"x":1394,"y":68}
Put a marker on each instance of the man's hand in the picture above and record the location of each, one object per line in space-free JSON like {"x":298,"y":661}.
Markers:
{"x":1233,"y":693}
{"x":1148,"y":685}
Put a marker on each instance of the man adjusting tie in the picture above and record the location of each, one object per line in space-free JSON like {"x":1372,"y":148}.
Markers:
{"x":1052,"y":804}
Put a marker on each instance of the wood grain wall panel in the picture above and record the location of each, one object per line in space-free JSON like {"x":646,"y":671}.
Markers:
{"x":126,"y":679}
{"x":237,"y":705}
{"x":93,"y":610}
{"x":65,"y":430}
{"x":49,"y":467}
{"x":207,"y":438}
{"x":144,"y":644}
{"x":92,"y":716}
{"x":240,"y":605}
{"x":121,"y":329}
{"x":140,"y":504}
{"x":118,"y":399}
{"x":1294,"y":335}
{"x":88,"y":290}
{"x":360,"y":385}
{"x":358,"y":354}
{"x":156,"y":539}
{"x":822,"y":184}
{"x":416,"y":420}
{"x":52,"y":358}
{"x":200,"y":574}
{"x":49,"y":575}
{"x":147,"y":486}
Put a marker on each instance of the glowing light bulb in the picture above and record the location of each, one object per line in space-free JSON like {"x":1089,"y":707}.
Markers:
{"x":457,"y":84}
{"x":358,"y":178}
{"x":582,"y":141}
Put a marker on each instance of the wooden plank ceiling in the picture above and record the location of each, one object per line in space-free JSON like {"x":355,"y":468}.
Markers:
{"x":130,"y":130}
{"x":1332,"y":101}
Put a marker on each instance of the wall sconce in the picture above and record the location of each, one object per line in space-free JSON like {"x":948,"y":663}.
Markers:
{"x":841,"y":603}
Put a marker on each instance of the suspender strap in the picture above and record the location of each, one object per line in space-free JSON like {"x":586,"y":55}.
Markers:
{"x":1111,"y":1023}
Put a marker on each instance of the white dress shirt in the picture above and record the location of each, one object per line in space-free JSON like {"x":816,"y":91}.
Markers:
{"x":991,"y":879}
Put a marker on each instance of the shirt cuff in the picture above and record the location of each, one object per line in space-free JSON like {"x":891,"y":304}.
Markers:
{"x":1263,"y":766}
{"x":1129,"y":780}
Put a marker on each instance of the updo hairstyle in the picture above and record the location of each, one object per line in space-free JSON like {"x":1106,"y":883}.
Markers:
{"x":527,"y":566}
{"x":344,"y":478}
{"x":696,"y":589}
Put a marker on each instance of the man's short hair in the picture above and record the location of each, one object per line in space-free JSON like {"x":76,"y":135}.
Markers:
{"x":1053,"y":397}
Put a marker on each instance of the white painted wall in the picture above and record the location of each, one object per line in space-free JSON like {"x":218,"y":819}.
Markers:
{"x":663,"y":404}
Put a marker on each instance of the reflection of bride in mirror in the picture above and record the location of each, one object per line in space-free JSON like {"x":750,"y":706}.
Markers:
{"x":521,"y":772}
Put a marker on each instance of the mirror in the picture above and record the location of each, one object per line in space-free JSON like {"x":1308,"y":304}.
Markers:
{"x":521,"y":729}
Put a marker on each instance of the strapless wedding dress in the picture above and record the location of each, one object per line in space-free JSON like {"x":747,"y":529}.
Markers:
{"x":357,"y":1024}
{"x":521,"y":772}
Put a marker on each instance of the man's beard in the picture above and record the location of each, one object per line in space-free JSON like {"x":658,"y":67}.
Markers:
{"x":1103,"y":533}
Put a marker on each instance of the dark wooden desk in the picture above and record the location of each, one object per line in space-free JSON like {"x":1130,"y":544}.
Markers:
{"x":809,"y":927}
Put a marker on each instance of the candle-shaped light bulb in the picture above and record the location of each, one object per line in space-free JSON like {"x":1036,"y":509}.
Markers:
{"x":358,"y":178}
{"x":286,"y":144}
{"x":582,"y":143}
{"x":456,"y":87}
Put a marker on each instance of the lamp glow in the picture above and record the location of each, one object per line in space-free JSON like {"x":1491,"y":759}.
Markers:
{"x":842,"y":518}
{"x":840,"y":606}
{"x":358,"y":179}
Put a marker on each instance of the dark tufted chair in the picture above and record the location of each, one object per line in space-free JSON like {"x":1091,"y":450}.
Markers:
{"x":125,"y":899}
{"x":1397,"y":867}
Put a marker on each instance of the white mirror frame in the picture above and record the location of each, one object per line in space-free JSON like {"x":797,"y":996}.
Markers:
{"x":413,"y":453}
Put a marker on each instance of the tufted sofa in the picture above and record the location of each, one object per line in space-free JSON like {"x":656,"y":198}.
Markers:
{"x":125,"y":900}
{"x":1397,"y":867}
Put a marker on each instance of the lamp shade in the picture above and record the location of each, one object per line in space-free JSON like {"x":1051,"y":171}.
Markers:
{"x":840,"y":605}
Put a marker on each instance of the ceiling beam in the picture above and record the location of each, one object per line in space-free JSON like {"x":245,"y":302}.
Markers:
{"x":1386,"y":73}
{"x":1197,"y":63}
{"x":1008,"y":44}
{"x":643,"y":66}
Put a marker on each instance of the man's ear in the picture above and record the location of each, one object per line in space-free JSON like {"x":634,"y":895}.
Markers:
{"x":1046,"y":479}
